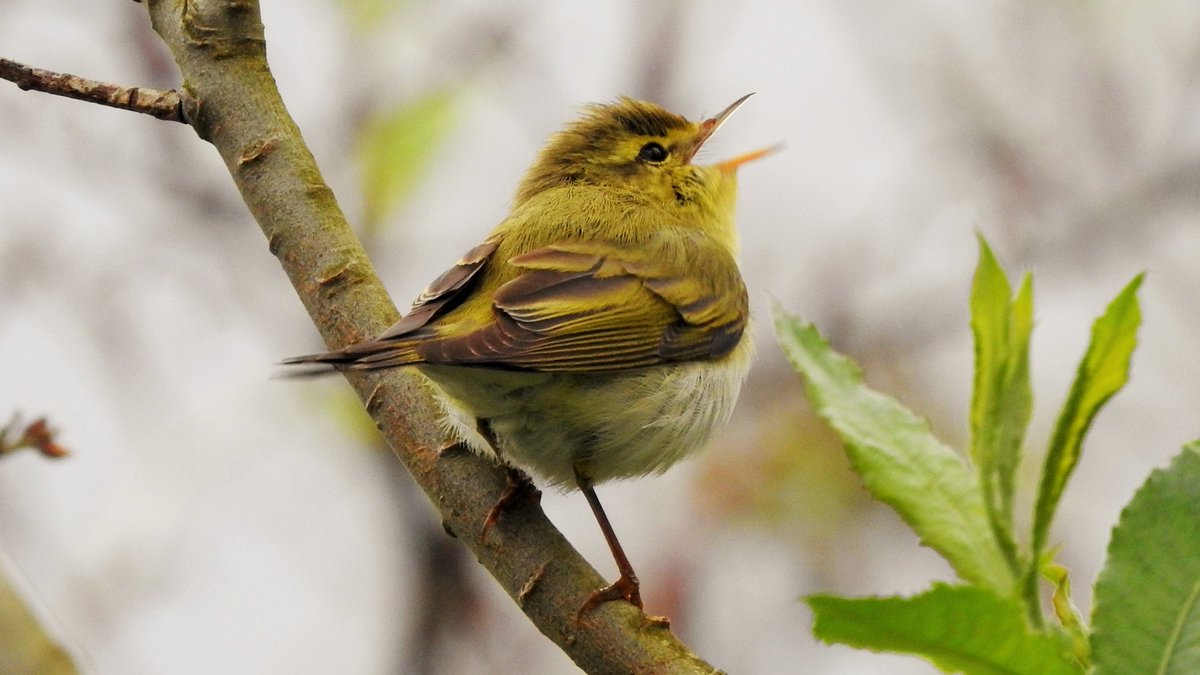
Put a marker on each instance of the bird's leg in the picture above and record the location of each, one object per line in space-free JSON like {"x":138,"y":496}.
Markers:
{"x":520,"y":486}
{"x":626,"y":587}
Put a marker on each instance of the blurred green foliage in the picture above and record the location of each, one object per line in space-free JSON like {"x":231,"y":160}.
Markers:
{"x":395,"y":148}
{"x":24,"y":646}
{"x":365,"y":15}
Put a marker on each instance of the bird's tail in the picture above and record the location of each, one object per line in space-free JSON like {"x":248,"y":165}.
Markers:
{"x":361,"y":356}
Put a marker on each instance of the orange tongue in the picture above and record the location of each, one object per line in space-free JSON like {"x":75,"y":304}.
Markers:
{"x":731,"y":165}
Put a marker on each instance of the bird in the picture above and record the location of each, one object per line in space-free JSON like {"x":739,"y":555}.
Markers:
{"x":600,"y":331}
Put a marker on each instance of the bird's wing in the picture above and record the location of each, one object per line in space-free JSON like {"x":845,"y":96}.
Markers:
{"x":445,"y":293}
{"x":395,"y":346}
{"x":589,"y":308}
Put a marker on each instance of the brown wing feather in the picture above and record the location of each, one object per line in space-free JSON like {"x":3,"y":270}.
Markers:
{"x":587,"y":310}
{"x":445,"y":293}
{"x":394,"y":346}
{"x":571,"y":308}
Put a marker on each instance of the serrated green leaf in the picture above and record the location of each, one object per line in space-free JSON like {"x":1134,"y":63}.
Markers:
{"x":900,"y":461}
{"x":1002,"y":399}
{"x":395,"y":148}
{"x":961,"y":629}
{"x":1147,"y":611}
{"x":1103,"y":371}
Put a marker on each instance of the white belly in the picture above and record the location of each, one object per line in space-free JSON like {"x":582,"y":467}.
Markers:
{"x":603,"y":426}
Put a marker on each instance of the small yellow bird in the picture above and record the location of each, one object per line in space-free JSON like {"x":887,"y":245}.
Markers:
{"x":599,"y":331}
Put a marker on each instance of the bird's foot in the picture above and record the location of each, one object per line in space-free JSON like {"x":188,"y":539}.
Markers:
{"x":520,"y":486}
{"x":625,"y":588}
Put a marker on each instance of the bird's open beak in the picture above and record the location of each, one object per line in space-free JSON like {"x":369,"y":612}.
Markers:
{"x":710,"y":125}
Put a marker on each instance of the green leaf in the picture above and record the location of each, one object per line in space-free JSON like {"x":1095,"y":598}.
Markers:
{"x":959,"y":628}
{"x":901,"y":463}
{"x":1068,"y":615}
{"x":395,"y":149}
{"x":368,"y":15}
{"x":1003,"y":398}
{"x":1147,"y":612}
{"x":1103,"y":371}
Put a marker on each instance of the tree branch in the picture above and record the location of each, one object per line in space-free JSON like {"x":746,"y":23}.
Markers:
{"x":231,"y":100}
{"x":165,"y":105}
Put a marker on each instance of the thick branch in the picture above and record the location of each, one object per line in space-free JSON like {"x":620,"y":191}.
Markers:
{"x":235,"y":105}
{"x":165,"y":105}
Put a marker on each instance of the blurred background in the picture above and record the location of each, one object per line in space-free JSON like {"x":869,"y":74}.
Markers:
{"x":212,"y":518}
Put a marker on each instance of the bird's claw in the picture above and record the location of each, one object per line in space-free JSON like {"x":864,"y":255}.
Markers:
{"x":625,"y":588}
{"x":520,"y":486}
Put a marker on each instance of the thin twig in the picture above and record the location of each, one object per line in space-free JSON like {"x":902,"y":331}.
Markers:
{"x":163,"y":104}
{"x":37,"y":435}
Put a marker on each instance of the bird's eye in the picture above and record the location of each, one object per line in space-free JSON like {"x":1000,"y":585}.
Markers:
{"x":652,"y":152}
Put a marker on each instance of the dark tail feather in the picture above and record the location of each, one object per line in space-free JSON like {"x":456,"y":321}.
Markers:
{"x":312,"y":370}
{"x":361,"y":356}
{"x":315,"y":365}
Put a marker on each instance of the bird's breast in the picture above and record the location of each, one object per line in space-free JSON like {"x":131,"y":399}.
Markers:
{"x":600,"y":426}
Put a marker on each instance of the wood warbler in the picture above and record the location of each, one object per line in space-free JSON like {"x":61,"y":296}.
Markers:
{"x":599,"y":331}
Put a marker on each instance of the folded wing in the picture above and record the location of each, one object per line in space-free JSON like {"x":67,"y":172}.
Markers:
{"x":570,"y":308}
{"x":576,"y":308}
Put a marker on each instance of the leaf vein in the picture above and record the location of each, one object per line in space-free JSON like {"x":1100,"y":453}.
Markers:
{"x":1177,"y":630}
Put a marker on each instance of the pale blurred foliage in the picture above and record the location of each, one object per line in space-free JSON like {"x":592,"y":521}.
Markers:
{"x":213,"y":519}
